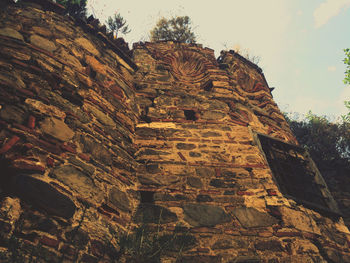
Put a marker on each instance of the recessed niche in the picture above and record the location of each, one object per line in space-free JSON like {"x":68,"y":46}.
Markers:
{"x":190,"y":115}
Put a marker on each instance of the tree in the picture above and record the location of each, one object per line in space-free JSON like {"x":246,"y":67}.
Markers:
{"x":347,"y":81}
{"x":76,"y":8}
{"x":176,"y":29}
{"x":117,"y":23}
{"x":347,"y":63}
{"x":327,"y":142}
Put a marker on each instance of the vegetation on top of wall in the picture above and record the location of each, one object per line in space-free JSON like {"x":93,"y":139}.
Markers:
{"x":117,"y":24}
{"x":76,"y":8}
{"x":177,"y":29}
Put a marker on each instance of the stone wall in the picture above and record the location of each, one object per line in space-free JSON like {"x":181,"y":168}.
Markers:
{"x":95,"y":143}
{"x":204,"y":168}
{"x":67,"y":126}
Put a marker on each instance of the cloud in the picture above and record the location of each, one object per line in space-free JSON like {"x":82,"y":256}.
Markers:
{"x":327,"y":10}
{"x":331,"y":68}
{"x":299,"y":13}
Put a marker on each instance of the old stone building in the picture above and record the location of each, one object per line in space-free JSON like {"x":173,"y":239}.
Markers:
{"x":97,"y":140}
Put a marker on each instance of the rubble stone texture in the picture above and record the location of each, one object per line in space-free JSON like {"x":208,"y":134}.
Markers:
{"x":95,"y":143}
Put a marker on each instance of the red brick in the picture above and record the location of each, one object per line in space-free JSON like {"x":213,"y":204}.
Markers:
{"x":166,"y":120}
{"x":272,"y":192}
{"x":15,"y":61}
{"x":244,"y":193}
{"x":310,"y":235}
{"x":176,"y":139}
{"x":122,"y":179}
{"x":265,"y":234}
{"x":194,"y":140}
{"x":288,"y":234}
{"x":229,"y":136}
{"x":118,"y":91}
{"x":50,"y":161}
{"x":109,"y":209}
{"x":31,"y":122}
{"x":229,"y":141}
{"x":232,"y":232}
{"x":117,"y":97}
{"x":28,"y":146}
{"x":99,"y":130}
{"x":26,"y":129}
{"x":206,"y":230}
{"x":248,"y":233}
{"x":209,"y":192}
{"x":217,"y":141}
{"x":68,"y":148}
{"x":103,"y":212}
{"x":28,"y":165}
{"x":84,"y":157}
{"x":49,"y":147}
{"x":47,"y":241}
{"x":25,"y":92}
{"x":181,"y":156}
{"x":9,"y":144}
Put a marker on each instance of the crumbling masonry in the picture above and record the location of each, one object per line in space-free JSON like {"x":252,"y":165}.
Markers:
{"x":97,"y":139}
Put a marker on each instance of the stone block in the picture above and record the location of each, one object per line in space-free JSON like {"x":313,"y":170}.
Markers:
{"x":119,"y":200}
{"x":204,"y":172}
{"x":57,"y":129}
{"x":205,"y":215}
{"x":250,"y":217}
{"x":42,"y":43}
{"x":195,"y":182}
{"x":96,"y":149}
{"x":44,"y":196}
{"x":87,"y":45}
{"x":149,"y":213}
{"x":230,"y":242}
{"x":299,"y":220}
{"x":269,"y":245}
{"x":78,"y":181}
{"x":10,"y":32}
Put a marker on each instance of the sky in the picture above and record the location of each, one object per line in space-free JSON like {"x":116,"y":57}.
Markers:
{"x":300,"y":42}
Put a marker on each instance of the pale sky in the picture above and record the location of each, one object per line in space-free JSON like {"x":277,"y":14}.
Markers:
{"x":300,"y":42}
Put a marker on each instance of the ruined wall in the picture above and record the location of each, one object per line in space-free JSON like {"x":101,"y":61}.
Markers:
{"x":204,"y":168}
{"x":94,"y":142}
{"x":67,"y":123}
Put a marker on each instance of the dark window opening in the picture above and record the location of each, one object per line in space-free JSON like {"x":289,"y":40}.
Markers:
{"x":190,"y":115}
{"x":146,"y":119}
{"x":147,"y":197}
{"x":93,"y":73}
{"x":208,"y":86}
{"x":296,"y":175}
